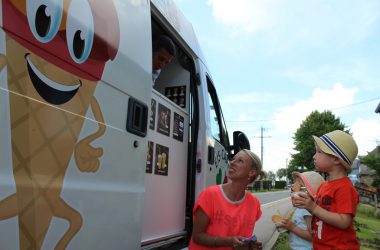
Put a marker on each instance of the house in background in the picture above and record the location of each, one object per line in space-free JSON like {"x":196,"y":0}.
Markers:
{"x":361,"y":173}
{"x":366,"y":174}
{"x":354,"y":174}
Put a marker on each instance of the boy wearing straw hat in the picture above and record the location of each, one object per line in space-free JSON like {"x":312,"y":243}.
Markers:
{"x":336,"y":200}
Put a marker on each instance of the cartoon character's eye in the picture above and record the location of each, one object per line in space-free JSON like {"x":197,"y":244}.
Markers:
{"x":79,"y":30}
{"x":44,"y":18}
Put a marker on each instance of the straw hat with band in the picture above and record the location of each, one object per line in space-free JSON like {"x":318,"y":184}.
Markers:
{"x":339,"y":144}
{"x":312,"y":180}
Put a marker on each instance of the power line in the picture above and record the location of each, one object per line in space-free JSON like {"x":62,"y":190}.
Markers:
{"x":342,"y":107}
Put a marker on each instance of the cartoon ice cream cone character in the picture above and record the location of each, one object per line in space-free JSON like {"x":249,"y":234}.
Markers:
{"x":56,"y":51}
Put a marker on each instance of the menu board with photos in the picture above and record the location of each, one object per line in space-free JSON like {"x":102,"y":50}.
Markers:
{"x":163,"y":119}
{"x":178,"y":127}
{"x":149,"y":158}
{"x":152,"y":115}
{"x":177,"y":94}
{"x":162,"y":160}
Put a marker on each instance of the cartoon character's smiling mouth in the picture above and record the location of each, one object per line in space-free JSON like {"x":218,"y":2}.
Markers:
{"x":51,"y":91}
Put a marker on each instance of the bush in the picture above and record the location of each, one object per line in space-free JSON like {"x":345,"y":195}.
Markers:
{"x":280,"y":184}
{"x":376,"y":183}
{"x":267,"y":184}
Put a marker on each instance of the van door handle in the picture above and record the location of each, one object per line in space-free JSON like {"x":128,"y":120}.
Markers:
{"x":211,"y":155}
{"x":199,"y":166}
{"x":137,"y":117}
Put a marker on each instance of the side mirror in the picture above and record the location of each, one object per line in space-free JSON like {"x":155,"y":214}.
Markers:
{"x":240,"y":141}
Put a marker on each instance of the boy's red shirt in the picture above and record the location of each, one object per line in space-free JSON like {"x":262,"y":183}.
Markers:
{"x":338,"y":196}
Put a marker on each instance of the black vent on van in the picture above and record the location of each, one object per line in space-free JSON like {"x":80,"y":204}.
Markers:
{"x":137,"y":117}
{"x":211,"y":155}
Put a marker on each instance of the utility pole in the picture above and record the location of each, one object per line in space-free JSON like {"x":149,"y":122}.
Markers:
{"x":262,"y":144}
{"x":286,"y":167}
{"x":262,"y":150}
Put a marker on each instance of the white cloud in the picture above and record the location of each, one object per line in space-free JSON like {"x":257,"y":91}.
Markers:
{"x":249,"y":98}
{"x":366,"y":134}
{"x":279,"y":147}
{"x":289,"y":118}
{"x":278,"y":141}
{"x":243,"y":15}
{"x":354,"y":70}
{"x":311,"y":21}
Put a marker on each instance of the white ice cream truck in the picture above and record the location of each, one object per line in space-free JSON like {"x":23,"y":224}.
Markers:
{"x":91,"y":155}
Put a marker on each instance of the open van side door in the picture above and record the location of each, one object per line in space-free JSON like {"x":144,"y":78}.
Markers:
{"x":213,"y":136}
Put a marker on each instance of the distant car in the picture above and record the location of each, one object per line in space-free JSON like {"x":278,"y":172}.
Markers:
{"x":354,"y":178}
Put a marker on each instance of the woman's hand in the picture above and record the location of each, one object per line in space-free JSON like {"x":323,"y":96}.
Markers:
{"x":247,"y":245}
{"x":237,"y":242}
{"x":256,"y":245}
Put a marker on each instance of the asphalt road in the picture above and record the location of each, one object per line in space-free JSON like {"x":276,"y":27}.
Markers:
{"x":271,"y":203}
{"x":268,"y":197}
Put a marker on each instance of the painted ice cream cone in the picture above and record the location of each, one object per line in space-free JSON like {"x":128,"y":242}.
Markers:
{"x":49,"y":95}
{"x":43,"y":140}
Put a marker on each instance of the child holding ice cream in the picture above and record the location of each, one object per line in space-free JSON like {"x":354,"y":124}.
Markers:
{"x":299,"y":226}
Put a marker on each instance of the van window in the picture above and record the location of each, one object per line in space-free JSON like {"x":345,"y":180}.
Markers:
{"x":218,"y":128}
{"x":213,"y":120}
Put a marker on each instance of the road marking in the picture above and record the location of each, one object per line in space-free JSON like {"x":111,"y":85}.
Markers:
{"x":275,"y":202}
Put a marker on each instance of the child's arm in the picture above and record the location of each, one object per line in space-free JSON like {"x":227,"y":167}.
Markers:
{"x":341,"y":221}
{"x":305,"y":234}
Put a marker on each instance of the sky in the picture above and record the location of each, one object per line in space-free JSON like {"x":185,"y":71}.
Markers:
{"x":273,"y":62}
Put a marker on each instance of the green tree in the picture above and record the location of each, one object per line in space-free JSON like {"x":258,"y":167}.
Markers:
{"x":271,"y":176}
{"x":281,"y":173}
{"x":372,"y":160}
{"x":315,"y":124}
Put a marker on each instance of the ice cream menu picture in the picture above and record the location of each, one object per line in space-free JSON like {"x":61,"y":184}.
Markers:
{"x":163,"y":119}
{"x":177,"y":95}
{"x":178,"y":127}
{"x":149,"y":158}
{"x":152,"y":115}
{"x":162,"y":160}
